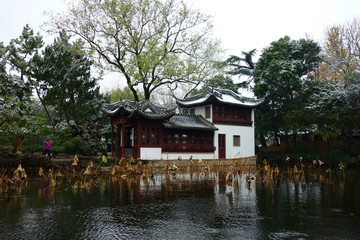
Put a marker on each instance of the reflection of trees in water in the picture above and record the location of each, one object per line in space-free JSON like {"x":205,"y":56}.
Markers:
{"x":292,"y":200}
{"x":140,"y":189}
{"x":263,"y":203}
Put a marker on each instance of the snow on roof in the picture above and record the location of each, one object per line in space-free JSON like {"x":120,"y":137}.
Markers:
{"x":220,"y":95}
{"x":145,"y":109}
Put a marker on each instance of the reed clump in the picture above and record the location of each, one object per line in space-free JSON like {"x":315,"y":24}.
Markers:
{"x":229,"y":174}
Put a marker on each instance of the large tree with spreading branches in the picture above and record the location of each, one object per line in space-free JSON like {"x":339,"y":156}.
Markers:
{"x":63,"y":74}
{"x":16,"y":85}
{"x":151,"y":43}
{"x":283,"y":76}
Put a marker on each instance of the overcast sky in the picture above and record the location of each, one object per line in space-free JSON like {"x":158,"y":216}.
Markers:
{"x":240,"y":25}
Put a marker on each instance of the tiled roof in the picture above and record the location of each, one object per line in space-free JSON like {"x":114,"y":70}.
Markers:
{"x":196,"y":122}
{"x":144,"y":109}
{"x":219,"y":95}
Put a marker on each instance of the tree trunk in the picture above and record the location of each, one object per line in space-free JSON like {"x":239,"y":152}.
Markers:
{"x":262,"y":140}
{"x":349,"y":135}
{"x":294,"y":138}
{"x":286,"y":138}
{"x":146,"y":89}
{"x":18,"y":142}
{"x":276,"y":138}
{"x":133,"y":90}
{"x":46,"y":110}
{"x":147,"y":95}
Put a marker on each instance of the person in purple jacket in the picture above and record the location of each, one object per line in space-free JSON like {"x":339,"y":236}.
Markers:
{"x":47,"y":148}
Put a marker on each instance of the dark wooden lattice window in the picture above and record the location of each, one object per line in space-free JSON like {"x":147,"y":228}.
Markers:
{"x":157,"y":136}
{"x":188,"y":141}
{"x":207,"y":112}
{"x":142,"y":136}
{"x":232,"y":115}
{"x":236,"y":140}
{"x":150,"y":135}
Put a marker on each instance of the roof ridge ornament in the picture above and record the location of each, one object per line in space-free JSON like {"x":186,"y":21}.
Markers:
{"x":131,"y":109}
{"x":218,"y":94}
{"x":223,"y":96}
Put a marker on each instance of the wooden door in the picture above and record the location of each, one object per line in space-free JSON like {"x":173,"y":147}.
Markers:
{"x":221,"y":146}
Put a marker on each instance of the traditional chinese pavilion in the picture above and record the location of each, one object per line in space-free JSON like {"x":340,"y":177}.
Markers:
{"x":215,"y":124}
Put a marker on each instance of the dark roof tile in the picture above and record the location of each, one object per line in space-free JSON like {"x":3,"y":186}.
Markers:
{"x":189,"y":122}
{"x":219,"y":95}
{"x":145,"y":109}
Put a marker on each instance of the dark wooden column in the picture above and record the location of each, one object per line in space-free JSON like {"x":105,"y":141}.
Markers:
{"x":118,"y":141}
{"x":112,"y":140}
{"x":123,"y":140}
{"x":138,"y":139}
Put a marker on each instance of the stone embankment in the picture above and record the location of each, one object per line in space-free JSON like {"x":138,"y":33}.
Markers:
{"x":248,"y":163}
{"x":244,"y":162}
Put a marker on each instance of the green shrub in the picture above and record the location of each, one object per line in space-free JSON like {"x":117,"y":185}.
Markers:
{"x":329,"y":154}
{"x":334,"y":156}
{"x":59,"y":149}
{"x":76,"y":146}
{"x":353,"y":162}
{"x":6,"y":143}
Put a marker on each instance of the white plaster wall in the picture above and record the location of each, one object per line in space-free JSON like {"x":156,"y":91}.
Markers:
{"x":247,"y":139}
{"x":201,"y":111}
{"x":156,"y":153}
{"x":184,"y":156}
{"x":150,"y":153}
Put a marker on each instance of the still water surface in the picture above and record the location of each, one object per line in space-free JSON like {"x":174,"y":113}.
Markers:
{"x":187,"y":206}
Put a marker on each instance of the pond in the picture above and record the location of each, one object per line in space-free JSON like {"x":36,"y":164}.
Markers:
{"x":203,"y":205}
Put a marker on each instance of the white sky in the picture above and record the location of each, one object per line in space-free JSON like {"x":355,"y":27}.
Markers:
{"x":241,"y":25}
